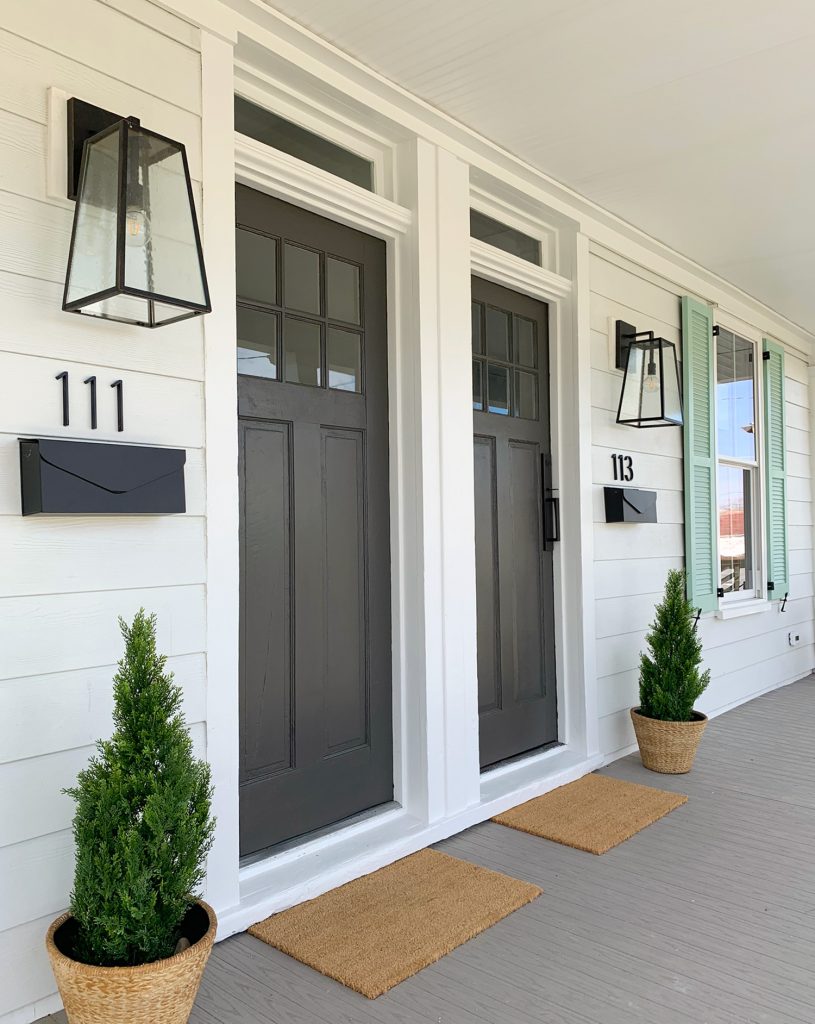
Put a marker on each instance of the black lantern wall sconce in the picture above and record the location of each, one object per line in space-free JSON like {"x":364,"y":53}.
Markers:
{"x":651,"y":394}
{"x":135,"y":252}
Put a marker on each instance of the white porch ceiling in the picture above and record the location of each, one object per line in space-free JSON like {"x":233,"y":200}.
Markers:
{"x":694,"y":120}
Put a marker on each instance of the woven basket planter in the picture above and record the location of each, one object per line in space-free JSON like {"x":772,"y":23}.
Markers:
{"x":163,"y":991}
{"x":668,"y":747}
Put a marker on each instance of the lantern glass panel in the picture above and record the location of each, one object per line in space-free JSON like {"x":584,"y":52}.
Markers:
{"x":161,"y":254}
{"x":673,"y":395}
{"x":92,"y":268}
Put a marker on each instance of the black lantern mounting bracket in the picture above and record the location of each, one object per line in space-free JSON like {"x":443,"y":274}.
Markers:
{"x":624,"y":334}
{"x":84,"y":121}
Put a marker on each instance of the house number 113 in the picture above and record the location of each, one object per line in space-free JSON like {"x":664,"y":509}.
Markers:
{"x":623,"y":467}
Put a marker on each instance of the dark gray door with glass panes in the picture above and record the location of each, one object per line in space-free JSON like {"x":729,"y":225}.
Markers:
{"x":514,"y":581}
{"x":315,"y":655}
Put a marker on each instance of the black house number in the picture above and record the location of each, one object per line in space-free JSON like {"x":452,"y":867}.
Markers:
{"x":117,"y":384}
{"x":623,"y":467}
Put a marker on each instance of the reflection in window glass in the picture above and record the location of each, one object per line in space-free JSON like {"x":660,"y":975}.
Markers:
{"x":301,"y":278}
{"x":526,"y":346}
{"x":301,"y":341}
{"x":735,"y":486}
{"x":341,"y":290}
{"x":735,"y":400}
{"x":344,"y":360}
{"x":498,"y":389}
{"x":256,"y":263}
{"x":478,"y":339}
{"x":497,"y":333}
{"x":257,"y":343}
{"x":478,"y":401}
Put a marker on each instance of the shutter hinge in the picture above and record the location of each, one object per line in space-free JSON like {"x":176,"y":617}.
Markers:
{"x":771,"y":585}
{"x":765,"y":355}
{"x":715,"y":330}
{"x":720,"y":592}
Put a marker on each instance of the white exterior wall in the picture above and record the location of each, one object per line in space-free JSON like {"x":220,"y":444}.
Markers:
{"x":64,"y":581}
{"x":746,"y":655}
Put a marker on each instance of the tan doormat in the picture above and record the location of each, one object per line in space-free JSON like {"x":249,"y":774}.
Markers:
{"x":593,"y":814}
{"x":378,"y":930}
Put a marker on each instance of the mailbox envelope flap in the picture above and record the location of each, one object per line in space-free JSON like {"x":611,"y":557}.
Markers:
{"x":115,"y":468}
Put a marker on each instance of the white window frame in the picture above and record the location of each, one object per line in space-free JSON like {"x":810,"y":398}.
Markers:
{"x":756,"y":596}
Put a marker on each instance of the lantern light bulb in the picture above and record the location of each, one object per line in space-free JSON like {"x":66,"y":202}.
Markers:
{"x":135,"y":226}
{"x":651,"y":380}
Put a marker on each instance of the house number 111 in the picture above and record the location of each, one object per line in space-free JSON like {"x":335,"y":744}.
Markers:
{"x":623,"y":467}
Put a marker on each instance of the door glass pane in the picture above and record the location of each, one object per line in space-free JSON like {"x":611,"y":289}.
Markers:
{"x":302,"y":343}
{"x":256,"y":258}
{"x":301,"y":279}
{"x":735,"y":529}
{"x":735,"y":404}
{"x":526,"y":395}
{"x":478,"y":339}
{"x":342,"y":290}
{"x":497,"y":333}
{"x":526,"y":345}
{"x":257,"y":343}
{"x":344,"y":360}
{"x":478,"y":401}
{"x":498,"y":389}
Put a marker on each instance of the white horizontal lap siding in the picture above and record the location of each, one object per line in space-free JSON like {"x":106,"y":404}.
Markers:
{"x":745,"y":655}
{"x":64,"y":580}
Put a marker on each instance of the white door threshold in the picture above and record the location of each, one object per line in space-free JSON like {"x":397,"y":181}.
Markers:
{"x":308,"y":869}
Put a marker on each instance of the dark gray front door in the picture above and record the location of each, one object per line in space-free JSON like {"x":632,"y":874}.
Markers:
{"x":516,"y":654}
{"x":315,"y":659}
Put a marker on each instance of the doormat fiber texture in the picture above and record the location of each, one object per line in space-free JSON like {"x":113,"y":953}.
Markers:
{"x":593,"y":814}
{"x":378,"y":930}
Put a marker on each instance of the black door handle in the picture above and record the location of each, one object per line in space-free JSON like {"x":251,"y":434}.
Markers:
{"x":551,"y":505}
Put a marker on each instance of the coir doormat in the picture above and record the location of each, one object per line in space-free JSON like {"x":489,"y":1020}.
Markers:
{"x":593,"y":814}
{"x":378,"y":930}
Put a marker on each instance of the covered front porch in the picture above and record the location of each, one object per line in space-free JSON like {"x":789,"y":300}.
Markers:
{"x":707,"y":915}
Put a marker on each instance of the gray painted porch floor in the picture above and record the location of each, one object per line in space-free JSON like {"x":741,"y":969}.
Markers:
{"x":706,"y":917}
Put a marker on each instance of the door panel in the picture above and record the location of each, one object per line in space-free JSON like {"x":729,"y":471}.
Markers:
{"x":514,"y":569}
{"x":486,"y":575}
{"x":266,"y":483}
{"x":316,"y":737}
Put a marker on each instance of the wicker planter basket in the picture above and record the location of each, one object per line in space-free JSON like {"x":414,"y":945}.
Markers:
{"x":161,"y":991}
{"x":668,"y":747}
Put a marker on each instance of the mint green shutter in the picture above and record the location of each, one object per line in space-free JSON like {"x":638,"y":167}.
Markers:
{"x":701,"y":526}
{"x":775,"y":459}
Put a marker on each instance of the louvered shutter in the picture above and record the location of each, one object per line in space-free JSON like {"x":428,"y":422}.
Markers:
{"x":701,"y":526}
{"x":775,"y":459}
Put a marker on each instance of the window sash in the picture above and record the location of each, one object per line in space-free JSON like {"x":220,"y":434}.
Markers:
{"x":755,"y":469}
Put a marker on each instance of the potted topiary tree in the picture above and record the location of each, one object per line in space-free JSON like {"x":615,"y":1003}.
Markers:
{"x":667,"y":726}
{"x":133,"y":947}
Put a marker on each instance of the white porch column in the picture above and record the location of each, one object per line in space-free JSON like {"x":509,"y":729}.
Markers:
{"x":221,"y":411}
{"x":446,"y":712}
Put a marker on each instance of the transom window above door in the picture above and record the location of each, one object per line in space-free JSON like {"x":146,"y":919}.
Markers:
{"x":299,"y":313}
{"x":505,"y":362}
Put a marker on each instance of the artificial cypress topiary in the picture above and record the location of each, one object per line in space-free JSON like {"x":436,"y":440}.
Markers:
{"x":670,"y":681}
{"x":142,"y":825}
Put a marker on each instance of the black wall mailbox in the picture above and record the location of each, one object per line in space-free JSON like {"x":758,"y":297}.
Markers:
{"x":86,"y":478}
{"x":630,"y":505}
